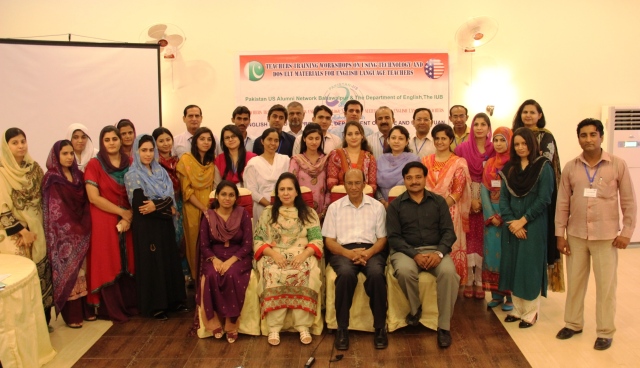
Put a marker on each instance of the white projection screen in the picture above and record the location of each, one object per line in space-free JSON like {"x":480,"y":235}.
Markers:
{"x":45,"y":86}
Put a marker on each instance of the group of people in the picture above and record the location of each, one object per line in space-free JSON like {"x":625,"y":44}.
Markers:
{"x":484,"y":210}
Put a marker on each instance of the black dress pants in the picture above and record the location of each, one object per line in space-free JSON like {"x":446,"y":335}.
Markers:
{"x":375,"y":286}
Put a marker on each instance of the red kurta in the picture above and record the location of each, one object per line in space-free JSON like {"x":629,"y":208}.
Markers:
{"x":104,"y":260}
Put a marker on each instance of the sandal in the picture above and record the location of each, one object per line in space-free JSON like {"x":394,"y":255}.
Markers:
{"x":217,"y":332}
{"x":232,"y":336}
{"x":507,"y":307}
{"x":494,"y":303}
{"x":468,"y":292}
{"x":274,"y":338}
{"x":479,"y":292}
{"x":305,"y":337}
{"x":74,"y":325}
{"x":91,"y":319}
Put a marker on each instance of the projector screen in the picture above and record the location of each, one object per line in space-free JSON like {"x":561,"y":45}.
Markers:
{"x":46,"y":86}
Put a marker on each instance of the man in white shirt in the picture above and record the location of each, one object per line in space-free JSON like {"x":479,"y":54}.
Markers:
{"x":241,"y":117}
{"x":422,"y":144}
{"x":192,"y":117}
{"x":295,"y":111}
{"x":356,"y":241}
{"x":322,"y":116}
{"x":352,"y":112}
{"x":379,"y":141}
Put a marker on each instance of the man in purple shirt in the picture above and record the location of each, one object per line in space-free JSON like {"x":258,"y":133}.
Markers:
{"x":587,"y":209}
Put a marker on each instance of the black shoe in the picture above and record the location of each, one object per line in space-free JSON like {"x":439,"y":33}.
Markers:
{"x":160,"y":316}
{"x":511,"y":318}
{"x":342,"y":339}
{"x":380,"y":339}
{"x":414,"y":320}
{"x":444,"y":338}
{"x":524,"y":324}
{"x":181,"y":308}
{"x":566,"y":333}
{"x":602,"y":343}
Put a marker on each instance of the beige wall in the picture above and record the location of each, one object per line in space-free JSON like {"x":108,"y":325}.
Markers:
{"x":573,"y":57}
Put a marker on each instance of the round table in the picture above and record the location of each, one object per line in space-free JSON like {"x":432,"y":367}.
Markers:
{"x":24,"y":335}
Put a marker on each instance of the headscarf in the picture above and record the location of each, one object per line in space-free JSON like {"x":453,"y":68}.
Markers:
{"x":155,"y":185}
{"x":469,"y":151}
{"x":89,"y":150}
{"x":496,"y":163}
{"x":103,"y":157}
{"x":15,"y":174}
{"x":55,"y":174}
{"x":67,"y":224}
{"x":520,"y":182}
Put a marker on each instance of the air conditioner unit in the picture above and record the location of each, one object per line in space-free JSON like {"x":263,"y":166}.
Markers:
{"x":622,"y":134}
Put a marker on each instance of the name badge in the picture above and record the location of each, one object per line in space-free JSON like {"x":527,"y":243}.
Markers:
{"x":590,"y":192}
{"x":495,"y":183}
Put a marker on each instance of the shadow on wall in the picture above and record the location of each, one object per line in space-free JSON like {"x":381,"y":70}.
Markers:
{"x":196,"y":75}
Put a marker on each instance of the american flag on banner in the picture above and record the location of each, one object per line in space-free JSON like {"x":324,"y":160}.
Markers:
{"x":434,"y":68}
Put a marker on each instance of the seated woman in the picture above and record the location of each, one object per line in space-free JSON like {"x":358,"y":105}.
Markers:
{"x":67,"y":228}
{"x":390,"y":164}
{"x":288,"y":245}
{"x":231,"y":162}
{"x":448,"y":176}
{"x":310,"y":166}
{"x":226,"y":247}
{"x":159,"y":279}
{"x":527,"y":185}
{"x":82,"y":144}
{"x":354,"y":154}
{"x":263,"y":171}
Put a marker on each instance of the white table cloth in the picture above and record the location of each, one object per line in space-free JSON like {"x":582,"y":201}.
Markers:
{"x":24,"y":335}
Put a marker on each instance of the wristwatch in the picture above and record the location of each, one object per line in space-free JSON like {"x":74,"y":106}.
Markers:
{"x":439,"y":253}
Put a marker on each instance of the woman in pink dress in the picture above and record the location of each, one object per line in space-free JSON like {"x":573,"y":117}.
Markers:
{"x":448,"y":176}
{"x":310,"y":167}
{"x":477,"y":150}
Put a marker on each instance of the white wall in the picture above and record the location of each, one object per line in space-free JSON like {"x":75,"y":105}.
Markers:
{"x":573,"y":57}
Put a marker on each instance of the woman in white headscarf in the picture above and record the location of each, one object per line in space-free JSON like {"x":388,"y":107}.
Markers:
{"x":83,"y":147}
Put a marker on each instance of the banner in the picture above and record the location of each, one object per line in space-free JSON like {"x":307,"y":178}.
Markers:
{"x":402,"y":81}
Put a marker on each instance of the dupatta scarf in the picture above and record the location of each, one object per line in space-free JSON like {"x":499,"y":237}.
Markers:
{"x":89,"y":150}
{"x":469,"y":151}
{"x":496,"y":163}
{"x":67,"y":224}
{"x":155,"y":184}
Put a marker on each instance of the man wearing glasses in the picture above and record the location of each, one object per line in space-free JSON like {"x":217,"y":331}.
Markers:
{"x":421,"y":144}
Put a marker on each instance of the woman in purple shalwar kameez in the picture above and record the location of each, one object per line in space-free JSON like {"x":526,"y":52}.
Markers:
{"x":226,"y":244}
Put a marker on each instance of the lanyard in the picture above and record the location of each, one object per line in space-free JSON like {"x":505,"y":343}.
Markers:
{"x":416,"y":145}
{"x":591,"y":178}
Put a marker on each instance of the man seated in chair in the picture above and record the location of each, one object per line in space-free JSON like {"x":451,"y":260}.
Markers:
{"x":356,"y":239}
{"x":421,"y":234}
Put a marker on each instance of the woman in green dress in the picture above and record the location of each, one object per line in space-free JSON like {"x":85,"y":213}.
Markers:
{"x":527,"y":185}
